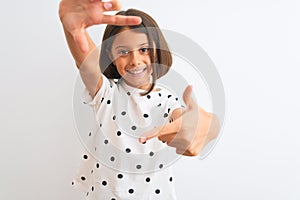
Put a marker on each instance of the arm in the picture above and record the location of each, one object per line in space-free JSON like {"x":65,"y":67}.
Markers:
{"x":76,"y":16}
{"x":87,"y":63}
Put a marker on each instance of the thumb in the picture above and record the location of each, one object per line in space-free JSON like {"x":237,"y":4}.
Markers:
{"x":187,"y":98}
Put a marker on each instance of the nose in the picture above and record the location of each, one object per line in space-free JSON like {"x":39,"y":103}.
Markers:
{"x":135,"y":58}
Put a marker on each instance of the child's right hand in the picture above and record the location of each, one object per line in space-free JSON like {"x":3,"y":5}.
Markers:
{"x":77,"y":15}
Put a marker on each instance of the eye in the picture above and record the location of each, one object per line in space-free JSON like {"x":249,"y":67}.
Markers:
{"x":123,"y":52}
{"x":144,"y":50}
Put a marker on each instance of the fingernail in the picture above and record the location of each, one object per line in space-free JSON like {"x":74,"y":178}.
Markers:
{"x":143,"y":140}
{"x":107,"y":5}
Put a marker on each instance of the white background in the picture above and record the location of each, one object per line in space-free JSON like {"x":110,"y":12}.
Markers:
{"x":255,"y":46}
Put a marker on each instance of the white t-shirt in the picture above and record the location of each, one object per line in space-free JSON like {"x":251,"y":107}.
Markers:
{"x":116,"y":166}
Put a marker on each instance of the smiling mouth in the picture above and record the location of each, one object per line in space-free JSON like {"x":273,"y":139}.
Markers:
{"x":136,"y":72}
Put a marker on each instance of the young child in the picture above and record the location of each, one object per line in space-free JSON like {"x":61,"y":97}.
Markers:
{"x":127,"y":102}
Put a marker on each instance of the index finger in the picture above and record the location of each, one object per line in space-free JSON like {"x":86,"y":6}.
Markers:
{"x":120,"y":20}
{"x":167,"y":129}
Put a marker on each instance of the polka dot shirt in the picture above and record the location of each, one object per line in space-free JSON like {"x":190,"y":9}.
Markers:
{"x":116,"y":166}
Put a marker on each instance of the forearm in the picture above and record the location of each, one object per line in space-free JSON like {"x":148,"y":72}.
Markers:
{"x":78,"y":55}
{"x":86,"y":62}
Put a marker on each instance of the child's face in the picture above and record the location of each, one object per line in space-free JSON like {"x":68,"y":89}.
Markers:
{"x":131,"y":56}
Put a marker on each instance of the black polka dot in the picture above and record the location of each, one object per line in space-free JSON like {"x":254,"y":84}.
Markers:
{"x":104,"y":183}
{"x":127,"y":150}
{"x":161,"y":166}
{"x":85,"y":157}
{"x":87,"y":194}
{"x":118,"y":133}
{"x":128,"y":93}
{"x":112,"y":159}
{"x":146,"y":115}
{"x":105,"y":141}
{"x":151,"y":153}
{"x":148,"y":96}
{"x":147,"y":179}
{"x":100,"y":125}
{"x":83,"y":178}
{"x":169,"y":110}
{"x":157,"y":191}
{"x":90,"y":133}
{"x":97,"y":165}
{"x":113,"y":199}
{"x":176,"y":98}
{"x":102,"y":99}
{"x":159,"y":105}
{"x":108,"y":102}
{"x":72,"y":183}
{"x":165,"y":115}
{"x":159,"y":94}
{"x":131,"y":191}
{"x":114,"y":117}
{"x":133,"y":127}
{"x":169,"y":96}
{"x":120,"y":176}
{"x":171,"y":179}
{"x":92,"y":171}
{"x":92,"y":188}
{"x":138,"y":166}
{"x":123,"y":113}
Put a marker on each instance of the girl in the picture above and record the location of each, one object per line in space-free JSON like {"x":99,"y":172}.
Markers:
{"x":127,"y":103}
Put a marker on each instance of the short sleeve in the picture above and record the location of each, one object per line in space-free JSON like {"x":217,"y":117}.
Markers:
{"x":106,"y":90}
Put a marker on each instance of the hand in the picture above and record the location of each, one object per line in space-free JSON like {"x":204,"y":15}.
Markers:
{"x":190,"y":132}
{"x":77,"y":15}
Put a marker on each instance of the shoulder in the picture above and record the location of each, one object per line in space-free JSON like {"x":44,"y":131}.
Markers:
{"x":166,"y":93}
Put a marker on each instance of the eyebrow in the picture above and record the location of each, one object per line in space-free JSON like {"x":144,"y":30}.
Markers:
{"x":140,"y":45}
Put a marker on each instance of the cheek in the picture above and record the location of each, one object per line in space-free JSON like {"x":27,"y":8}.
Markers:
{"x":120,"y":67}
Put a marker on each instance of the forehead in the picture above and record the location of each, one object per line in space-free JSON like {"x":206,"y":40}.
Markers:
{"x":129,"y":38}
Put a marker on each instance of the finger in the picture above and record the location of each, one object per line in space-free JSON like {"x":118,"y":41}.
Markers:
{"x":187,"y":98}
{"x":167,"y":137}
{"x":185,"y":153}
{"x":167,"y":129}
{"x":180,"y":151}
{"x":112,"y":5}
{"x":81,"y":40}
{"x":149,"y":135}
{"x":120,"y":20}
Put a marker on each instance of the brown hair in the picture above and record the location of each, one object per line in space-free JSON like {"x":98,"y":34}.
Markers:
{"x":160,"y":55}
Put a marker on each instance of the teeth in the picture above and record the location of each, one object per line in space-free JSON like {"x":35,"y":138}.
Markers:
{"x":136,"y":71}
